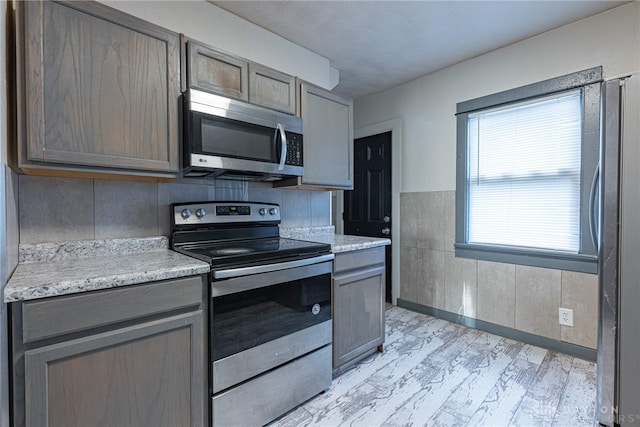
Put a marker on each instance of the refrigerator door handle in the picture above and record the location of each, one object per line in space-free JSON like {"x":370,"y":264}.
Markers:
{"x":594,"y":205}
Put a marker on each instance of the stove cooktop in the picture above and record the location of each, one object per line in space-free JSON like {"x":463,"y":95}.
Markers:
{"x":251,"y":251}
{"x":236,"y":234}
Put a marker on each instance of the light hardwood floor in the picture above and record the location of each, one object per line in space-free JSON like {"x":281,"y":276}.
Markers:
{"x":436,"y":373}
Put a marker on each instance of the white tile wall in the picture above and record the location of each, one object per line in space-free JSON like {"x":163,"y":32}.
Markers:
{"x":125,"y":209}
{"x":460,"y":285}
{"x":537,"y":300}
{"x":297,"y":205}
{"x":520,"y":297}
{"x":55,"y":209}
{"x":580,"y":293}
{"x":431,"y":220}
{"x":497,"y":293}
{"x":63,"y":209}
{"x":430,"y":278}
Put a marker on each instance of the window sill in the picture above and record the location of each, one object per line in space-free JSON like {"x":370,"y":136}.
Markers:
{"x":531,"y":257}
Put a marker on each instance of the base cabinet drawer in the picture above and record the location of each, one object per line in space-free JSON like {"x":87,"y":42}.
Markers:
{"x":42,"y":318}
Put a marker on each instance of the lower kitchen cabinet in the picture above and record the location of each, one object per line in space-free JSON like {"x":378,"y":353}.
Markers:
{"x":128,"y":356}
{"x":358,"y":305}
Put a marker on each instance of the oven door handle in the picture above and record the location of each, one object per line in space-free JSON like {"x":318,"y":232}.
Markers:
{"x":257,"y":269}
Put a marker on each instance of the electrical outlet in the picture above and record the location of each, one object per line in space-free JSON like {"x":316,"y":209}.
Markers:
{"x":566,"y":316}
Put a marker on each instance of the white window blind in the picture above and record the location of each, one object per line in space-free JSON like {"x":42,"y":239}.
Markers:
{"x":524,"y":174}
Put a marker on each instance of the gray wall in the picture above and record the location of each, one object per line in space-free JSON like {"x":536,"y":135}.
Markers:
{"x":63,"y":209}
{"x":426,"y":107}
{"x":515,"y":296}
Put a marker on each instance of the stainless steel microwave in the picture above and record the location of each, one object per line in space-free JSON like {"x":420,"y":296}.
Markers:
{"x":230,"y":138}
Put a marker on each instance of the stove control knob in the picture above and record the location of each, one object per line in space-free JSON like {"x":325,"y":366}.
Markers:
{"x":186,"y":213}
{"x":200,"y":213}
{"x":273,"y":211}
{"x":262,"y":211}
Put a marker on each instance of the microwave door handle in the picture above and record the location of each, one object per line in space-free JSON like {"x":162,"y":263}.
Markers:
{"x":283,"y":151}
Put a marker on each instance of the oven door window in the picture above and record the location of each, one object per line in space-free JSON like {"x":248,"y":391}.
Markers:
{"x":230,"y":138}
{"x":247,"y":319}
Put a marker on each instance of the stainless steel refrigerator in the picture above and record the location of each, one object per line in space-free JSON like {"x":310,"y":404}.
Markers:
{"x":618,"y":364}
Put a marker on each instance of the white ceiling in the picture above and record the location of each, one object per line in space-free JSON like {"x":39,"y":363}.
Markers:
{"x":380,"y":44}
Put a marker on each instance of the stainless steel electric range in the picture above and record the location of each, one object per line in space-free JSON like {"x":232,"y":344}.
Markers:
{"x":270,"y":312}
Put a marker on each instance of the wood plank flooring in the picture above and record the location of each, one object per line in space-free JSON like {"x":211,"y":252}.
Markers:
{"x":436,"y":373}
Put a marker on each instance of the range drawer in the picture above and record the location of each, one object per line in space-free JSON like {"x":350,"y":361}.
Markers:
{"x":50,"y":317}
{"x":270,"y":395}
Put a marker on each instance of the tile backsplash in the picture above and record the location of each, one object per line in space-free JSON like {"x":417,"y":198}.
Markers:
{"x":55,"y":209}
{"x":520,"y":297}
{"x":515,"y":296}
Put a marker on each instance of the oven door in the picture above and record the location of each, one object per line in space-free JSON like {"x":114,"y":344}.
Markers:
{"x":273,"y":317}
{"x":225,"y":135}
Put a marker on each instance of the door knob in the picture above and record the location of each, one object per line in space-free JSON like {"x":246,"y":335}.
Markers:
{"x":386,"y":218}
{"x":386,"y":231}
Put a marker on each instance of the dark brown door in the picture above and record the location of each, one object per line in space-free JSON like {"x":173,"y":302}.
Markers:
{"x":367,"y":208}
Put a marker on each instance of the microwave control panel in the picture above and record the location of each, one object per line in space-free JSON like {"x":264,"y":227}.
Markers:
{"x":294,"y":150}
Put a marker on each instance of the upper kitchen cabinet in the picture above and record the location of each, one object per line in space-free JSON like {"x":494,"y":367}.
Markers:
{"x":98,"y":92}
{"x":327,"y":143}
{"x":272,"y":89}
{"x":217,"y":72}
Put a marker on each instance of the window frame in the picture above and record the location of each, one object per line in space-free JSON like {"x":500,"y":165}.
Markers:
{"x":586,"y":260}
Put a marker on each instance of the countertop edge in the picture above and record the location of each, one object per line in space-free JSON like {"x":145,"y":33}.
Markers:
{"x":28,"y":281}
{"x":65,"y":276}
{"x":347,"y":243}
{"x":357,"y":246}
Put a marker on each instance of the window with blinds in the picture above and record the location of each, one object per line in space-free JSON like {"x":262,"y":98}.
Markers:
{"x":527,"y":174}
{"x":524,"y":174}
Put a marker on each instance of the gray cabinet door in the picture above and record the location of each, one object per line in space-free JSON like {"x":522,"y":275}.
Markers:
{"x":358,"y":307}
{"x":132,"y":355}
{"x":327,"y":141}
{"x":272,"y":89}
{"x":100,"y":90}
{"x":328,"y":138}
{"x":148,"y":374}
{"x":217,"y":72}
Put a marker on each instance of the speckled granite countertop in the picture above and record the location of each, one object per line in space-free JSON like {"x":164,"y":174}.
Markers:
{"x":51,"y":269}
{"x":339,"y":242}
